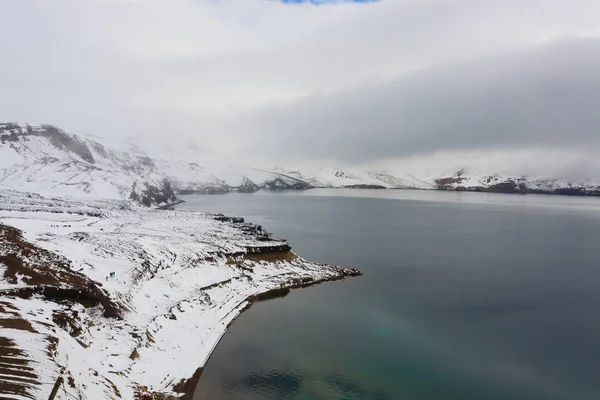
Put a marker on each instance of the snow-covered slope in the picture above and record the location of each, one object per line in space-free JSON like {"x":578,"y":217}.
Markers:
{"x":50,"y":161}
{"x":192,"y":168}
{"x":44,"y":159}
{"x":121,"y":299}
{"x":47,"y":160}
{"x":337,"y":178}
{"x":463,"y":179}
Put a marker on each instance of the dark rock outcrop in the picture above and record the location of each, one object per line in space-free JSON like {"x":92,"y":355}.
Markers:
{"x":47,"y":274}
{"x":207,"y":189}
{"x":497,"y":184}
{"x":247,"y":186}
{"x":364,"y":186}
{"x":10,"y":132}
{"x":223,"y":218}
{"x":281,"y":183}
{"x":150,"y":195}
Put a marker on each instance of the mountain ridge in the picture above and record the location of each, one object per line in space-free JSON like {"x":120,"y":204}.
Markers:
{"x":463,"y":180}
{"x":48,"y":160}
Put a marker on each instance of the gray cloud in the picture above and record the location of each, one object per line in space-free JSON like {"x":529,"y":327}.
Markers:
{"x":347,"y":83}
{"x":547,"y":96}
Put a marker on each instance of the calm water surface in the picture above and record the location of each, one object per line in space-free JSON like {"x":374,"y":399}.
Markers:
{"x":465,"y":296}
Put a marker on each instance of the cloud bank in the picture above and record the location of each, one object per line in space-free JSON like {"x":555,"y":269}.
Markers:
{"x":348,"y":83}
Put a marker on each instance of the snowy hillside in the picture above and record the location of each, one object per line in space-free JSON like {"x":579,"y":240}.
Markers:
{"x":50,"y":161}
{"x":337,"y":178}
{"x":47,"y":160}
{"x":192,"y":168}
{"x":121,"y":299}
{"x":464,"y":180}
{"x":110,"y":295}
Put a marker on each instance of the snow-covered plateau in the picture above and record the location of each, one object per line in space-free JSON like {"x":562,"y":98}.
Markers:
{"x":126,"y":301}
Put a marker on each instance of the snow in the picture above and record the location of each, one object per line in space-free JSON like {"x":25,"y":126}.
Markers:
{"x":43,"y":165}
{"x":69,"y":354}
{"x":468,"y":179}
{"x":337,"y":178}
{"x":3,"y":284}
{"x":33,"y":159}
{"x":179,"y":278}
{"x":175,"y":277}
{"x":34,"y":163}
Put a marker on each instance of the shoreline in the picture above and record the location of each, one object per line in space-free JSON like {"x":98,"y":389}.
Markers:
{"x":192,"y":382}
{"x":175,"y":281}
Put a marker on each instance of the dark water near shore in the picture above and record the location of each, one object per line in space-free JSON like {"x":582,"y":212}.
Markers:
{"x":465,"y":296}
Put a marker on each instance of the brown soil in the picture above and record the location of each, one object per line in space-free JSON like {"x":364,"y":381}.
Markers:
{"x":18,"y":377}
{"x":142,"y":393}
{"x":114,"y":387}
{"x":287,"y":256}
{"x":16,"y":323}
{"x":449,"y":181}
{"x":270,"y":294}
{"x":48,"y":274}
{"x":134,"y":354}
{"x":279,"y":248}
{"x":187,"y":386}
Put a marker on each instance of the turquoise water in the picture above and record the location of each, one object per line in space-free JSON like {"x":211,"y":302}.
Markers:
{"x":465,"y":296}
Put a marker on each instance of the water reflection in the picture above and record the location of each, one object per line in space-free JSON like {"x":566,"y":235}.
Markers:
{"x":276,"y":384}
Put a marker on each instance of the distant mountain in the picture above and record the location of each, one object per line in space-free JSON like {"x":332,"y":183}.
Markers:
{"x":49,"y":161}
{"x":464,"y":180}
{"x":337,"y":178}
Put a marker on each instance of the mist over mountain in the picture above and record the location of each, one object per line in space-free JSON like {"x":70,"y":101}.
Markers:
{"x":338,"y":85}
{"x":47,"y":160}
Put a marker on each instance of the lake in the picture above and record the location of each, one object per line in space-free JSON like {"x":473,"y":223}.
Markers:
{"x":465,"y":296}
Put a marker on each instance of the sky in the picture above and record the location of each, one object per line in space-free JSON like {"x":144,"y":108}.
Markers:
{"x":510,"y":86}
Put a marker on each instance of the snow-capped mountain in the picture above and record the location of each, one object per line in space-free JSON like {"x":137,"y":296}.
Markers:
{"x":47,"y":160}
{"x":465,"y":180}
{"x":337,"y":178}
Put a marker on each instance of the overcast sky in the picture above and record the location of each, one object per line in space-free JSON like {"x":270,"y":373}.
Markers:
{"x":381,"y":84}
